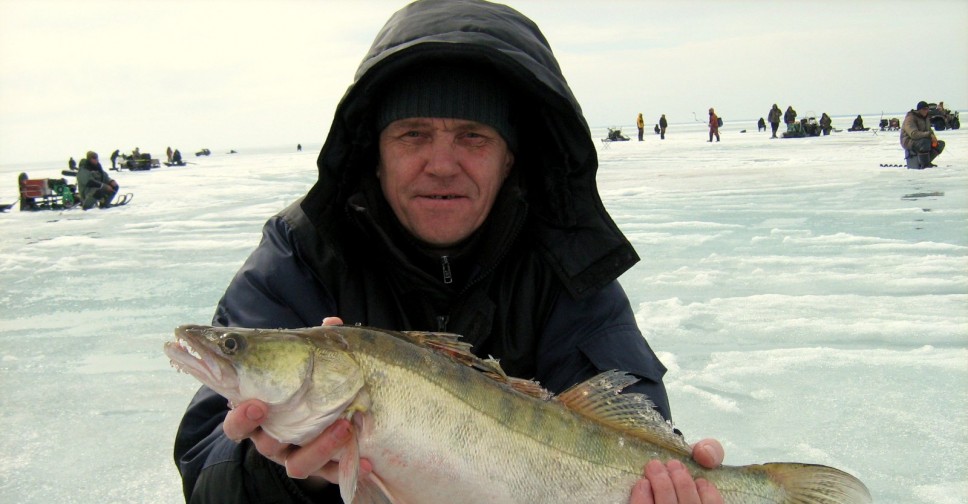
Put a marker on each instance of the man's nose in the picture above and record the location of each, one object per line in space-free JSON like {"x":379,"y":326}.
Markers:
{"x":443,"y":161}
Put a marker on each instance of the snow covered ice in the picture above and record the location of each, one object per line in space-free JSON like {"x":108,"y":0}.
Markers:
{"x":810,"y":304}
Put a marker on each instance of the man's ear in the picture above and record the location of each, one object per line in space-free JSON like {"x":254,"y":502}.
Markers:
{"x":508,"y":163}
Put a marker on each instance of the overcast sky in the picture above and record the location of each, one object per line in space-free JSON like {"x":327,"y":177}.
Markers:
{"x":105,"y":74}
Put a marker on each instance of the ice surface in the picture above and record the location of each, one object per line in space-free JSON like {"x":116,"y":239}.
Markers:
{"x":810,"y":305}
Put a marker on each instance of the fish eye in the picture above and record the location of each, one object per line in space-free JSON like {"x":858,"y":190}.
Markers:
{"x":231,"y":343}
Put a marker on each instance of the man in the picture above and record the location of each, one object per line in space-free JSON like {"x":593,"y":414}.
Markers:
{"x":826,"y":124}
{"x":790,"y":117}
{"x":640,"y":123}
{"x":774,"y":118}
{"x":663,"y":124}
{"x":94,"y":186}
{"x":713,"y":125}
{"x":431,"y":213}
{"x":918,"y":138}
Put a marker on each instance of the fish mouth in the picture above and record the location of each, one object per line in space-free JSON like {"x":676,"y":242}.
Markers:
{"x":193,"y":352}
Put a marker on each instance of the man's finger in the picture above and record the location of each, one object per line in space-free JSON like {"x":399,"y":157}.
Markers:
{"x":641,"y":493}
{"x":708,"y":493}
{"x":310,"y":458}
{"x":682,"y":481}
{"x":242,"y":421}
{"x":663,"y":490}
{"x":708,"y":453}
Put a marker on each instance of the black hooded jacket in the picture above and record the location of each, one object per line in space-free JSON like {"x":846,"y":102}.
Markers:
{"x":536,"y":286}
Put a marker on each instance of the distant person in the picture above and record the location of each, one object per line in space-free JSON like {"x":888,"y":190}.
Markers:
{"x":298,"y":147}
{"x":790,"y":117}
{"x":71,"y":164}
{"x":640,"y":123}
{"x":774,"y":117}
{"x":825,"y":123}
{"x":94,"y":186}
{"x":656,"y":128}
{"x":663,"y":124}
{"x":858,"y":124}
{"x":918,"y":138}
{"x":114,"y":159}
{"x":761,"y":125}
{"x":169,"y":153}
{"x":26,"y":202}
{"x":176,"y":157}
{"x":713,"y":125}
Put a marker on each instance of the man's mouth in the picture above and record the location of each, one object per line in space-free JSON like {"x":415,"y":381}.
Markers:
{"x":442,"y":196}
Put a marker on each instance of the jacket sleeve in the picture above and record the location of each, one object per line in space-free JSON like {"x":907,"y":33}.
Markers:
{"x":272,"y":289}
{"x":83,"y":177}
{"x":588,"y":336}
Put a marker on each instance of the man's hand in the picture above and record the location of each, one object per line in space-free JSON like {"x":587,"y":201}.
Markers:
{"x":671,"y":483}
{"x":315,"y":458}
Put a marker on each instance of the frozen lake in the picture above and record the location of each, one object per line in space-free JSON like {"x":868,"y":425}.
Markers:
{"x":811,"y":305}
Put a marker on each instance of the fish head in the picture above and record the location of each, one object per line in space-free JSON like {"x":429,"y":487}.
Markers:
{"x":282,"y":368}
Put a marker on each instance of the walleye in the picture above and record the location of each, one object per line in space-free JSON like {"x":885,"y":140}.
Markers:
{"x":441,"y":425}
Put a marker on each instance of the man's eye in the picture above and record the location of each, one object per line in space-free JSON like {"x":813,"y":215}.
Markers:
{"x":473,"y":138}
{"x":413,"y":135}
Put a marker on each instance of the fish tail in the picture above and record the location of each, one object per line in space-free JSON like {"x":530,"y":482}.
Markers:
{"x":814,"y":484}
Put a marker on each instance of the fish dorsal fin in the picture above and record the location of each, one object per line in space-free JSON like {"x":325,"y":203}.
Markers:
{"x":445,"y":343}
{"x":600,"y":399}
{"x":449,"y":344}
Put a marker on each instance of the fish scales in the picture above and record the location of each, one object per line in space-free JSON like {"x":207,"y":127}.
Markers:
{"x":440,"y":425}
{"x":482,"y":427}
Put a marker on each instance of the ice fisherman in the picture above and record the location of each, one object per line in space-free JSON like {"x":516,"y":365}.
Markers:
{"x":774,"y":118}
{"x":94,"y":185}
{"x":456,"y":193}
{"x":713,"y":125}
{"x":918,"y":139}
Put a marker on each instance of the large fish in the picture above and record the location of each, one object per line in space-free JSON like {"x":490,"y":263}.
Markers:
{"x":441,"y":425}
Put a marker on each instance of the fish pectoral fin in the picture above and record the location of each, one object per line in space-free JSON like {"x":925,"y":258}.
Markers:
{"x":349,"y":467}
{"x":372,"y":491}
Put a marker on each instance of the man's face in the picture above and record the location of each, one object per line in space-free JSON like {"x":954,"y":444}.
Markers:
{"x":93,"y":160}
{"x":923,"y":111}
{"x":441,"y":176}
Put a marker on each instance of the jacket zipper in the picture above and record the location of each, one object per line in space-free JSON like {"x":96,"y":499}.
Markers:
{"x":445,"y":267}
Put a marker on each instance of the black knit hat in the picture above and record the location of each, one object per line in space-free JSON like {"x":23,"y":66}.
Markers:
{"x":450,"y":91}
{"x":922,"y":104}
